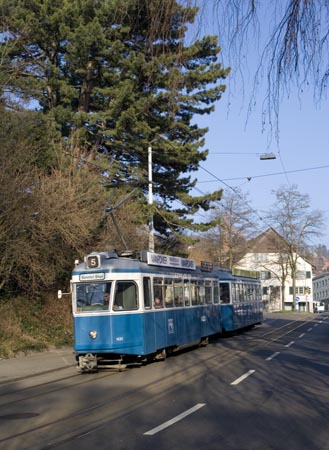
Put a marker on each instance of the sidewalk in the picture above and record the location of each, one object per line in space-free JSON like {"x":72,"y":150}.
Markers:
{"x":36,"y":363}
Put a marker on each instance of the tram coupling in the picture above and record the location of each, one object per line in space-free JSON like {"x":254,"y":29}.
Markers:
{"x":90,"y":363}
{"x":87,"y":363}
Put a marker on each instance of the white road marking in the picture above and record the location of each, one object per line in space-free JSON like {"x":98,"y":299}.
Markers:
{"x":273,"y":356}
{"x":175,"y":419}
{"x":309,"y":329}
{"x":301,"y":335}
{"x":243,"y":377}
{"x":290,"y":344}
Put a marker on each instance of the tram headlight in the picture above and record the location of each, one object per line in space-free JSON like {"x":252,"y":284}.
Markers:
{"x":93,"y":334}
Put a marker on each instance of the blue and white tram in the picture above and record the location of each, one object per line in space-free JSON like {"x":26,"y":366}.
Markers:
{"x":240,"y":295}
{"x":129,"y":309}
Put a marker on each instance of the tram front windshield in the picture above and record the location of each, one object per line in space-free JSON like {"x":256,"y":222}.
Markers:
{"x":92,"y":296}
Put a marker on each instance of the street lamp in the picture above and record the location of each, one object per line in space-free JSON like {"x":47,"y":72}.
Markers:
{"x":265,"y":156}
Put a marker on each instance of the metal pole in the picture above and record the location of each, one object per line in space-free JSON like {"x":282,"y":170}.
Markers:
{"x":150,"y":201}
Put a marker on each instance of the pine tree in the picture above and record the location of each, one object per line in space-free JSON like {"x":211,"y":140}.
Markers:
{"x":117,"y":77}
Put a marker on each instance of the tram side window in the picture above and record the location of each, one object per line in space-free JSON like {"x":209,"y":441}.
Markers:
{"x":194,"y":292}
{"x":178,"y":292}
{"x":208,"y":292}
{"x":125,"y":296}
{"x":233,"y":293}
{"x":202,"y":292}
{"x":240,"y":293}
{"x":243,"y":293}
{"x":147,"y":292}
{"x":158,"y":289}
{"x":169,"y":292}
{"x":250,"y":292}
{"x":216,"y":292}
{"x":224,"y":293}
{"x":198,"y":293}
{"x":187,"y":300}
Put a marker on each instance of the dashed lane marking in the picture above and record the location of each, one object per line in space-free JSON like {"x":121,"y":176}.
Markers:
{"x":174,"y":419}
{"x":243,"y":377}
{"x":273,"y":356}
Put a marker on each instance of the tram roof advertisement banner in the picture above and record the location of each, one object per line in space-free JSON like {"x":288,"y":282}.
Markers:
{"x":170,"y":261}
{"x":245,"y":273}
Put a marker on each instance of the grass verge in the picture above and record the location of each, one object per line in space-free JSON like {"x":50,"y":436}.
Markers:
{"x":34,"y":325}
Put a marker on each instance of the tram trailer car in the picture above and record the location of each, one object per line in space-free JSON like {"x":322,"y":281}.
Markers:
{"x":129,"y":310}
{"x":241,"y":304}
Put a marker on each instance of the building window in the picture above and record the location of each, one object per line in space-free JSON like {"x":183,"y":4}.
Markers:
{"x":300,"y":275}
{"x":300,"y":290}
{"x":265,"y":275}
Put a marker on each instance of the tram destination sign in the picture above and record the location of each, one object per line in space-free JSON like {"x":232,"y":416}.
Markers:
{"x":157,"y":259}
{"x":92,"y":276}
{"x":206,"y":266}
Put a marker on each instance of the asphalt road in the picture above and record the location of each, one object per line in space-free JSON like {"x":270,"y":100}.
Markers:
{"x":263,"y":389}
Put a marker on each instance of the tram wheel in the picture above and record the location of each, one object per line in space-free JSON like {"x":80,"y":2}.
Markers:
{"x":161,"y":355}
{"x":204,"y":342}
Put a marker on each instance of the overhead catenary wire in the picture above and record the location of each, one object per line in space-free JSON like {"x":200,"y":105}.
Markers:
{"x":250,"y":177}
{"x":224,"y":208}
{"x":236,"y":192}
{"x":231,"y":188}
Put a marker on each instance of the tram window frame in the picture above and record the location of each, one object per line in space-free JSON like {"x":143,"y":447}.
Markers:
{"x":122,"y":304}
{"x":208,"y":292}
{"x":202,"y":292}
{"x":194,"y":293}
{"x":187,"y":293}
{"x":241,"y":293}
{"x":147,"y":292}
{"x":87,"y":301}
{"x":249,"y":293}
{"x":169,"y":292}
{"x":225,"y":294}
{"x":245,"y":292}
{"x":216,"y":291}
{"x":158,"y":292}
{"x":178,"y":293}
{"x":237,"y":293}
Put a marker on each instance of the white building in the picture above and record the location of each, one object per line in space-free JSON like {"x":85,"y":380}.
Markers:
{"x":321,"y":290}
{"x":267,"y":253}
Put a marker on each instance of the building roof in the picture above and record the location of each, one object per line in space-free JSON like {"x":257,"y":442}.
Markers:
{"x":270,"y":241}
{"x":321,"y":275}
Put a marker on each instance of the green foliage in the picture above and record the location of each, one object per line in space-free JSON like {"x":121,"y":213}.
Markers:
{"x":109,"y":79}
{"x":117,"y":77}
{"x":49,"y":211}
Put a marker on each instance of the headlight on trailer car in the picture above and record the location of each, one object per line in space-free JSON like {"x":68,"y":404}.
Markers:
{"x":93,"y":334}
